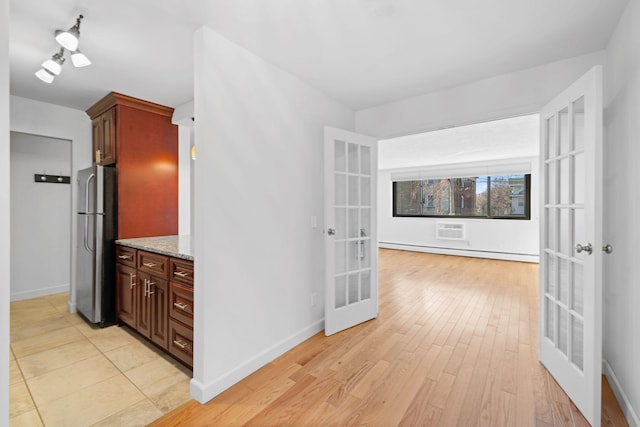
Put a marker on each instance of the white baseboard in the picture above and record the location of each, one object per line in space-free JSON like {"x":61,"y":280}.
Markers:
{"x":34,"y":293}
{"x":623,"y":400}
{"x":205,"y":392}
{"x":462,"y":252}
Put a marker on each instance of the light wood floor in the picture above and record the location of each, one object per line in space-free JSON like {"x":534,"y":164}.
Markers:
{"x":455,"y":343}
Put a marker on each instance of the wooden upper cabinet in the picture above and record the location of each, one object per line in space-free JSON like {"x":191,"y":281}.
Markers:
{"x":104,"y":144}
{"x":139,"y":138}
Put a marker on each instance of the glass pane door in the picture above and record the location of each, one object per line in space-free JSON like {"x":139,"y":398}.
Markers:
{"x":350,"y":242}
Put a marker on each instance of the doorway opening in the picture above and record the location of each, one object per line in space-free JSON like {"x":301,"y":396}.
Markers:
{"x":40,"y":216}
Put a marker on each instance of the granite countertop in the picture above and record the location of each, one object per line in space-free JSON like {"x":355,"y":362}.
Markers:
{"x":175,"y":246}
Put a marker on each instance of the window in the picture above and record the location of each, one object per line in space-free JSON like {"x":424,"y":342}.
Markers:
{"x":496,"y":196}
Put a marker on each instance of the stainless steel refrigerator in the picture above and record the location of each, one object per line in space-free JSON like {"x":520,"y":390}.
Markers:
{"x":95,"y":259}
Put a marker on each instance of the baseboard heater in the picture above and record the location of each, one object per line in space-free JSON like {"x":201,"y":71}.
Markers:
{"x":450,"y":231}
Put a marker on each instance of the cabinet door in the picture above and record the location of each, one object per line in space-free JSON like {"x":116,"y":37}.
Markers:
{"x":126,"y":294}
{"x":96,"y":126}
{"x":108,"y":148}
{"x":143,"y":307}
{"x":158,"y":296}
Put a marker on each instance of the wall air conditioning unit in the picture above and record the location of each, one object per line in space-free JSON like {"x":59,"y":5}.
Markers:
{"x":450,"y":231}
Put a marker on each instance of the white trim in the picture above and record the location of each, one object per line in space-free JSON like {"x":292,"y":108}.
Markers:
{"x":461,"y":252}
{"x":34,"y":293}
{"x":623,"y":400}
{"x":205,"y":392}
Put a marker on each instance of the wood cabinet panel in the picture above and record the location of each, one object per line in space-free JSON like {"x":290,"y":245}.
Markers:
{"x":153,"y":263}
{"x":147,"y":173}
{"x":104,"y":144}
{"x":140,"y":136}
{"x":108,"y":148}
{"x":160,"y":310}
{"x":181,"y":341}
{"x":143,"y":308}
{"x":126,"y":256}
{"x":181,"y":271}
{"x":158,"y":295}
{"x":181,"y":303}
{"x":126,"y":294}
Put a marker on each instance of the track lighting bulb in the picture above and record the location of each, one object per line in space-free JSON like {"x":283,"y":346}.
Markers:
{"x":54,"y":65}
{"x":79,"y":59}
{"x":71,"y":38}
{"x":45,"y":75}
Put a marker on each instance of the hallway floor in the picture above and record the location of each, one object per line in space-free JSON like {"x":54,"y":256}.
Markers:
{"x":66,"y":373}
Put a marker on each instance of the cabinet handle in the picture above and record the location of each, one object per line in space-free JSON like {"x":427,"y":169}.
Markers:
{"x":183,"y":345}
{"x":132,"y":282}
{"x":124,"y":256}
{"x":181,"y":273}
{"x":149,"y":284}
{"x":149,"y":264}
{"x":182,"y":306}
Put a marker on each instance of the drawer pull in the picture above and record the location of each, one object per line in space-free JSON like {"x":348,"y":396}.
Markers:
{"x":183,"y":345}
{"x":182,"y":306}
{"x":149,"y":264}
{"x":124,"y":256}
{"x":181,"y":273}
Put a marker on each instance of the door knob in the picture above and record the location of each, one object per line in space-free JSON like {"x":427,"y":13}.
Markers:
{"x":586,"y":248}
{"x":331,"y":231}
{"x":607,"y":249}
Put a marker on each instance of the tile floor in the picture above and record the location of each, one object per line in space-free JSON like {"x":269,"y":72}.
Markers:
{"x":66,"y":373}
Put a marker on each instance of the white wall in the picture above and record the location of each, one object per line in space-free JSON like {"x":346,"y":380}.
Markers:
{"x":506,"y":95}
{"x":501,"y":143}
{"x":258,"y":181}
{"x":622,"y":204}
{"x":182,"y":116}
{"x":5,"y":229}
{"x":40,"y":217}
{"x":40,"y":118}
{"x":484,"y":238}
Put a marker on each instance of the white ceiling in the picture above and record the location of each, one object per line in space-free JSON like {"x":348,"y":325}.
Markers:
{"x":361,"y":52}
{"x":515,"y":137}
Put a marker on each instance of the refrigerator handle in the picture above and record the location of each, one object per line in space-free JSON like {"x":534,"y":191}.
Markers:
{"x":87,"y":191}
{"x":86,"y":234}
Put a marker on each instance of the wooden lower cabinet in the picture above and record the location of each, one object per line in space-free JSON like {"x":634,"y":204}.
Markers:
{"x":148,"y":302}
{"x":152,"y":310}
{"x":127,"y":294}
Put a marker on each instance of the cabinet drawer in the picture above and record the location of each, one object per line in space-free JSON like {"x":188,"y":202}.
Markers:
{"x":181,"y":271}
{"x":155,"y":264}
{"x":181,"y":341}
{"x":181,"y":303}
{"x":126,"y":255}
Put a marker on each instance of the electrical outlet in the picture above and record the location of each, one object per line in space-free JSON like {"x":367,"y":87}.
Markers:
{"x":314,"y":299}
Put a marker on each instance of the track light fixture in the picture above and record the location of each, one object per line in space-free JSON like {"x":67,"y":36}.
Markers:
{"x":79,"y":59}
{"x":45,"y":75}
{"x":69,"y":40}
{"x":54,"y":65}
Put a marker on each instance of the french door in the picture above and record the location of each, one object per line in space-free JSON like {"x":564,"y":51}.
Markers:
{"x":570,"y":333}
{"x":351,"y":244}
